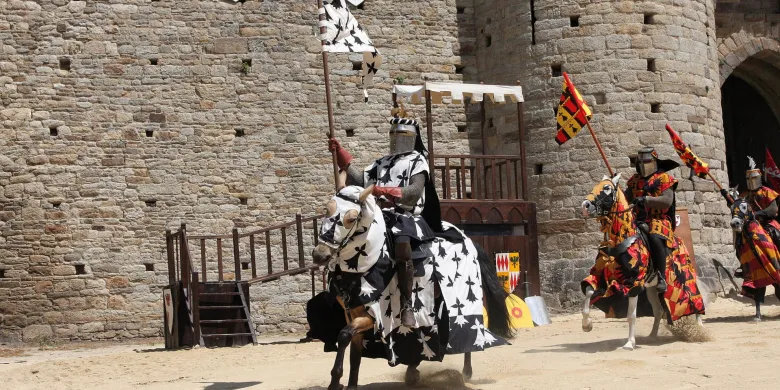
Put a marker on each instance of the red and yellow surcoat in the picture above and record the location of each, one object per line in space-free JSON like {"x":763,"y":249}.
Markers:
{"x":761,"y":199}
{"x":661,"y":222}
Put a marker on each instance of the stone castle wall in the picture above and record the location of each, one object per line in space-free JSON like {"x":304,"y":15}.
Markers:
{"x":141,"y":133}
{"x":120,"y":118}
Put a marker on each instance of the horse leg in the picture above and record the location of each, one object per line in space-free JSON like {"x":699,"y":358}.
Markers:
{"x":412,"y":375}
{"x":361,"y":323}
{"x":757,"y":318}
{"x":344,"y":338}
{"x":631,"y":317}
{"x":355,"y":354}
{"x":467,"y":370}
{"x":587,"y":323}
{"x":655,"y":302}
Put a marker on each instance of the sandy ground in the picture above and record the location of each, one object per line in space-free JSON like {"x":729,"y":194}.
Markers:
{"x":560,"y":356}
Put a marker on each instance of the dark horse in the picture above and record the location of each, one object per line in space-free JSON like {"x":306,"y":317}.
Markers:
{"x":368,"y":291}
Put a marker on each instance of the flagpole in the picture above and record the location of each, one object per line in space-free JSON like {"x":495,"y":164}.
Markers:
{"x":329,"y":101}
{"x":598,"y":145}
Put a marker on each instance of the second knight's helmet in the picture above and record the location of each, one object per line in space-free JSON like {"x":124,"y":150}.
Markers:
{"x":403,"y":135}
{"x":753,"y":175}
{"x":647,"y":162}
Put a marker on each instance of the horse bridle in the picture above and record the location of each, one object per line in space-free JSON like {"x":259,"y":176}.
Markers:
{"x":351,"y":231}
{"x":597,"y":203}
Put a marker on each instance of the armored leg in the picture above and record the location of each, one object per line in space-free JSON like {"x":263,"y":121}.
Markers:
{"x":405,"y":269}
{"x":659,"y":252}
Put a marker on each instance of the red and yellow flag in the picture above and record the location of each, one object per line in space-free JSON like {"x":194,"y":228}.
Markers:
{"x":700,"y":168}
{"x":772,"y":173}
{"x":573,"y":113}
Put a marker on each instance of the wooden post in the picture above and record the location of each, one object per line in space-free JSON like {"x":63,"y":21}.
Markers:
{"x":598,"y":145}
{"x":195,"y":294}
{"x":429,"y":125}
{"x":219,"y":259}
{"x":184,"y":268}
{"x":236,"y":256}
{"x":299,"y":231}
{"x":171,"y":263}
{"x":252,"y":255}
{"x":328,"y":100}
{"x":521,"y":130}
{"x":203,"y":258}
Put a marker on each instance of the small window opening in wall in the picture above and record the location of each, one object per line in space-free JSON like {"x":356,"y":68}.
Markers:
{"x":632,"y":161}
{"x":459,"y":69}
{"x":151,"y":203}
{"x":488,"y":41}
{"x":150,"y":133}
{"x":357,"y":65}
{"x":600,"y":97}
{"x":246,"y":65}
{"x":462,"y":128}
{"x":490,"y":123}
{"x":54,"y":131}
{"x":56,"y":204}
{"x":244,"y":265}
{"x":149,"y":266}
{"x":649,"y":19}
{"x":655,"y":108}
{"x":557,"y":70}
{"x":350,"y":132}
{"x":239,"y":132}
{"x":460,"y":10}
{"x":65,"y":64}
{"x":153,"y":61}
{"x":651,"y":65}
{"x":2,"y":274}
{"x":243,"y":200}
{"x":80,"y":269}
{"x":574,"y":21}
{"x":538,"y":168}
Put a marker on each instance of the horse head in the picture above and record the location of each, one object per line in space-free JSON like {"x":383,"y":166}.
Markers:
{"x":741,"y":214}
{"x":602,"y":198}
{"x":343,"y":215}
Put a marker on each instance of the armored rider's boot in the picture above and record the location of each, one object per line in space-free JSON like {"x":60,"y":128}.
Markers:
{"x":405,"y":268}
{"x":658,"y":253}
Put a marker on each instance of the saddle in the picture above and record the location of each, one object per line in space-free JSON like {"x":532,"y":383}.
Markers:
{"x":642,"y":233}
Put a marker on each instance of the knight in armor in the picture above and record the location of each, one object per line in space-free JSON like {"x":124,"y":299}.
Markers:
{"x":763,"y":201}
{"x":408,"y":199}
{"x":651,"y":191}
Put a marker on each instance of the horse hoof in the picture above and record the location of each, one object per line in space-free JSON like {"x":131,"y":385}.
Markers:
{"x":587,"y":327}
{"x":629,"y":346}
{"x":412,"y":377}
{"x":467,"y":375}
{"x":336,"y":387}
{"x":756,"y":319}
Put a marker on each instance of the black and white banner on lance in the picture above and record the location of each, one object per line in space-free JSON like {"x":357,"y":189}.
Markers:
{"x":344,"y":34}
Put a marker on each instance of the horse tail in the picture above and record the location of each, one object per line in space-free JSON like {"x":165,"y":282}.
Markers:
{"x":495,"y":297}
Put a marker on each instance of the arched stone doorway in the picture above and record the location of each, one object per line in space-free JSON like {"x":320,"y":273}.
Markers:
{"x":750,"y":98}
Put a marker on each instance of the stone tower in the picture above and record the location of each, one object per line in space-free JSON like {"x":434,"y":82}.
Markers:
{"x":119,"y":119}
{"x":640,"y":65}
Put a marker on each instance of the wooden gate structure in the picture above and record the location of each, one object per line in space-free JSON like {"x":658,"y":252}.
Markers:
{"x":485,"y":195}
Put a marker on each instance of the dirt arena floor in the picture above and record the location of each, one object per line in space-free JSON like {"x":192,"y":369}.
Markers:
{"x":741,"y":354}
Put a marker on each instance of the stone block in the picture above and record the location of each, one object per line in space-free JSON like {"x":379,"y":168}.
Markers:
{"x":37,"y":333}
{"x":229,"y":46}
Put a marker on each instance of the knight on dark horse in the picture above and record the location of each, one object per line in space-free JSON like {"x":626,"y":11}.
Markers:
{"x":407,"y":198}
{"x":651,"y":191}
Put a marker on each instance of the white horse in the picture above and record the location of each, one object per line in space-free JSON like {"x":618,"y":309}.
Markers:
{"x":353,"y":244}
{"x":623,"y":267}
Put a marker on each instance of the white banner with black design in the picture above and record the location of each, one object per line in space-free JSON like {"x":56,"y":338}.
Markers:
{"x":344,"y":34}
